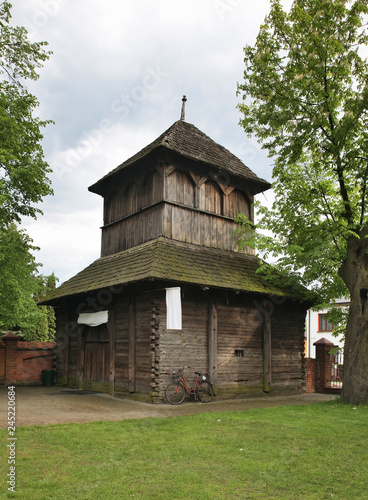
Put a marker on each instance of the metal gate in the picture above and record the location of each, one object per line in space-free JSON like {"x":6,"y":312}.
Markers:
{"x":337,"y":367}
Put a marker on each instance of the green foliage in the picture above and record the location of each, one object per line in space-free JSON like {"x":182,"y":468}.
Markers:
{"x":305,"y":96}
{"x":17,"y":266}
{"x":338,"y":317}
{"x":21,"y":287}
{"x":42,"y":330}
{"x":23,"y":170}
{"x":23,"y":183}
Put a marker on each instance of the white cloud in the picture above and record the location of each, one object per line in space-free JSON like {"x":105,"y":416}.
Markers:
{"x":114,"y":84}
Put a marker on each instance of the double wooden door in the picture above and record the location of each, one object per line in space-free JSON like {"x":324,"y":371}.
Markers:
{"x":96,"y":356}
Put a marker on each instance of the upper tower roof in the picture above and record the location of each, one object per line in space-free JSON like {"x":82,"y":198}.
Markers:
{"x":188,"y":141}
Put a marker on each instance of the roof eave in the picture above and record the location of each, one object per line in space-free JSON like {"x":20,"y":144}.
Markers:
{"x":100,"y":187}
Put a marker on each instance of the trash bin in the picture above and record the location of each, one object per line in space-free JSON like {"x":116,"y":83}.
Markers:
{"x":48,"y":377}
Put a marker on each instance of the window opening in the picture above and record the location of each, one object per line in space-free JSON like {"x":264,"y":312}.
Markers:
{"x":323,"y":324}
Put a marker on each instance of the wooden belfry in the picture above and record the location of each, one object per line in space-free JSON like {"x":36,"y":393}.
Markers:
{"x":183,"y":186}
{"x":171,"y":283}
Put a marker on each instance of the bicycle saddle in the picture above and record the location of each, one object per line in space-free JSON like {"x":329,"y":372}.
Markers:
{"x":198,"y":373}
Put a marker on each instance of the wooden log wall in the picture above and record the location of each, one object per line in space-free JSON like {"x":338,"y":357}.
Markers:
{"x":287,"y":345}
{"x":239,"y":346}
{"x":72,"y":361}
{"x":135,"y":361}
{"x":67,"y":338}
{"x":143,"y":342}
{"x":232,"y":336}
{"x":228,"y":333}
{"x":155,"y":347}
{"x":123,"y":326}
{"x":187,"y":347}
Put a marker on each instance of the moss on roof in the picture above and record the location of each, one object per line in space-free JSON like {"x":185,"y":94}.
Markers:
{"x":169,"y":260}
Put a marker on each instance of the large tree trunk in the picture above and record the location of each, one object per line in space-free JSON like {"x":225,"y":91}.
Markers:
{"x":354,"y":273}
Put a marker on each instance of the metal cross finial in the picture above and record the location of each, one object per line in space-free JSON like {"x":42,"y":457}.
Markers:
{"x":184,"y":100}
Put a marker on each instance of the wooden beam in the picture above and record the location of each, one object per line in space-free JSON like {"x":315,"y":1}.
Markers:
{"x":266,"y":352}
{"x":111,"y":329}
{"x":80,"y":356}
{"x":212,"y":341}
{"x":132,"y":346}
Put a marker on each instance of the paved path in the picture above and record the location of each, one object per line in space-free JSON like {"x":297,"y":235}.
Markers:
{"x":59,"y":405}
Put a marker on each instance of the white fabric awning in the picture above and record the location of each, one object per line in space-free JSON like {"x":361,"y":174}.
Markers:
{"x":93,"y":319}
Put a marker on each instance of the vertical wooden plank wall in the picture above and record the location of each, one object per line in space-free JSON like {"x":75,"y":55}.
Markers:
{"x":175,"y":203}
{"x":62,"y":345}
{"x":239,"y":346}
{"x":288,"y":363}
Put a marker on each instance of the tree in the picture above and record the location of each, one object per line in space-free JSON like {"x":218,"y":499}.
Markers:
{"x":23,"y":170}
{"x":21,"y":287}
{"x":44,"y":328}
{"x":305,"y":96}
{"x":23,"y":181}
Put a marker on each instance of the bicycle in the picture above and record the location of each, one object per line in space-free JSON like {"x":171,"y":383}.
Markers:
{"x":176,"y":390}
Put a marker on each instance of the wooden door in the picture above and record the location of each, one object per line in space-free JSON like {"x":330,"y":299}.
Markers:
{"x":96,"y":373}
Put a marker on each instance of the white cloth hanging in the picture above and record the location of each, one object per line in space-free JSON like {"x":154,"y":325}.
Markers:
{"x":173,"y":308}
{"x":93,"y":319}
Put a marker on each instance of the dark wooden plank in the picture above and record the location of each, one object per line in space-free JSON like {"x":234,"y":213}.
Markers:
{"x":112,"y":348}
{"x":212,"y":341}
{"x":132,"y":346}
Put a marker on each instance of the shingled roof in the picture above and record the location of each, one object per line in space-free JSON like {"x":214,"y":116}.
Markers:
{"x":170,"y":260}
{"x":187,"y":140}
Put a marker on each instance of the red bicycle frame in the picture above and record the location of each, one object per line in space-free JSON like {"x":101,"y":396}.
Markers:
{"x":192,"y":391}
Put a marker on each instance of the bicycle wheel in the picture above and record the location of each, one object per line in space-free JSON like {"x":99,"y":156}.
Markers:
{"x":175,"y":393}
{"x":205,"y":391}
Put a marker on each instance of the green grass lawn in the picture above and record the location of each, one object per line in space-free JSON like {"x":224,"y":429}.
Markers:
{"x":303,"y":452}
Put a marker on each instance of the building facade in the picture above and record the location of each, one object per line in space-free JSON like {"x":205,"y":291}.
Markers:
{"x":318,"y":326}
{"x":171,"y":288}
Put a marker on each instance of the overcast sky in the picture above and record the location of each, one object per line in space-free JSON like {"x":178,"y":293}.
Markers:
{"x":114,"y":83}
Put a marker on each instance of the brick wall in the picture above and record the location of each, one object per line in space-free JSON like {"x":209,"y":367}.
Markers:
{"x":318,"y":370}
{"x":311,"y":369}
{"x":22,"y":362}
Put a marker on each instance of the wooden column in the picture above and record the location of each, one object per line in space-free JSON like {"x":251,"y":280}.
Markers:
{"x":132,"y":345}
{"x":81,"y":354}
{"x":212,"y":342}
{"x":266,"y":352}
{"x":111,"y":329}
